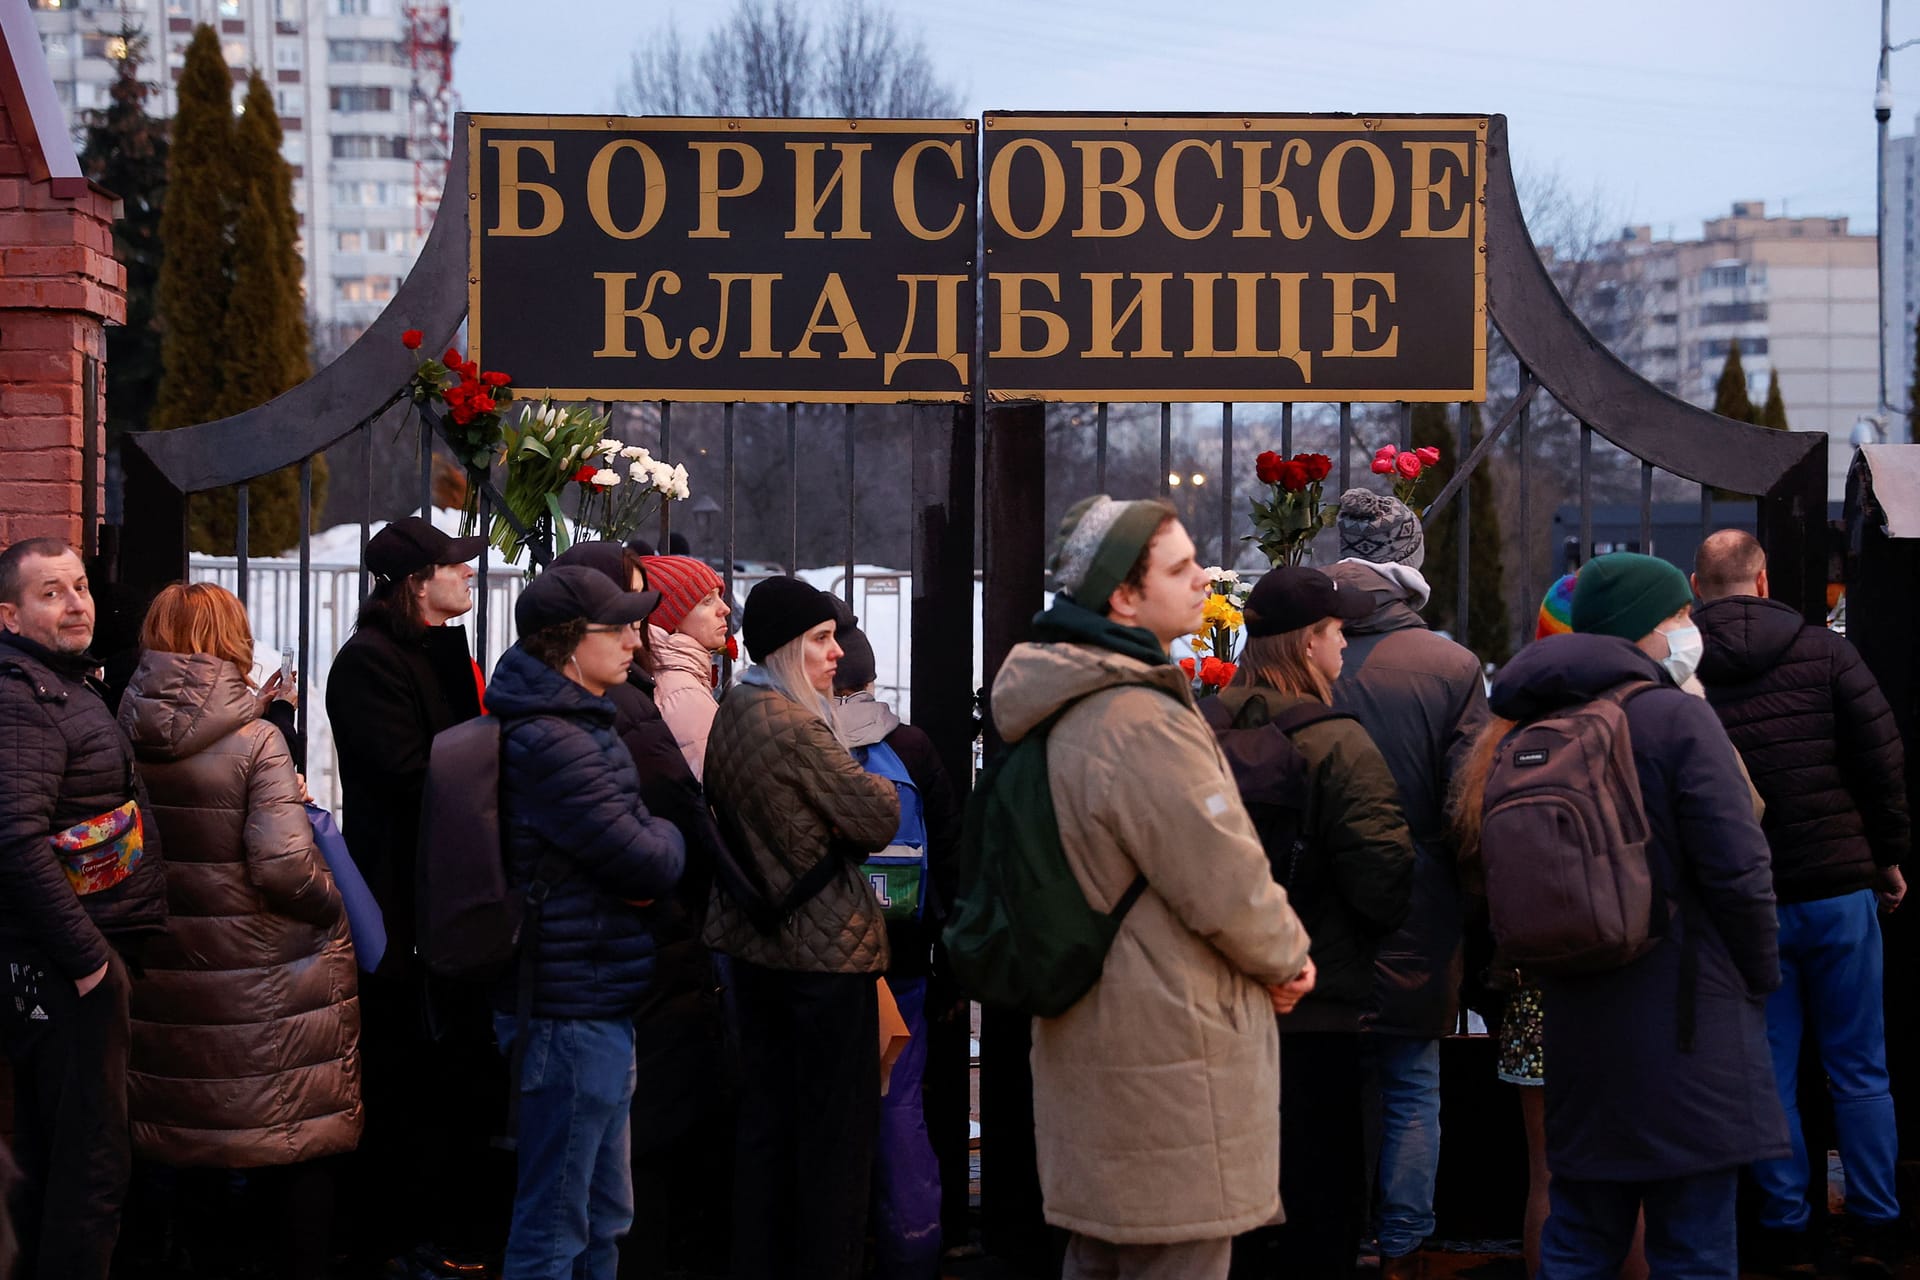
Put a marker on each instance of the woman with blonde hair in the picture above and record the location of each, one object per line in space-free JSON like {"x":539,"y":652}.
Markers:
{"x":1340,"y":848}
{"x":803,"y":815}
{"x":246,"y":1021}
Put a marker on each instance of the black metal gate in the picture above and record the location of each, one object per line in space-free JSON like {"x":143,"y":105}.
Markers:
{"x":1557,"y":365}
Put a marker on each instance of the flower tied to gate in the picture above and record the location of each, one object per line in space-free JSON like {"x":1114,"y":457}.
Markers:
{"x":1222,"y":627}
{"x":412,"y":339}
{"x":1284,"y":524}
{"x":1408,"y":467}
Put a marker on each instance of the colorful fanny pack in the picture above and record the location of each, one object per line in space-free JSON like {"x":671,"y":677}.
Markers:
{"x":102,"y":851}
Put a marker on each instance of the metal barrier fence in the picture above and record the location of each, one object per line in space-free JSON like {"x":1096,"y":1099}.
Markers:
{"x":883,"y":598}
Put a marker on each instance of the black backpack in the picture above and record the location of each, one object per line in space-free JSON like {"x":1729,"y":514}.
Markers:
{"x":1273,"y":779}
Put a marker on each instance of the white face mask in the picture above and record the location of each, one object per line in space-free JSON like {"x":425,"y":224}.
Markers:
{"x":1683,"y":652}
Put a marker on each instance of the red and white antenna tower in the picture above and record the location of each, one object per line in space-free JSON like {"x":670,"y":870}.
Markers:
{"x":431,"y":104}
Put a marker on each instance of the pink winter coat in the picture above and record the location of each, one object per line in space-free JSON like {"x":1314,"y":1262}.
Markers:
{"x":683,"y":690}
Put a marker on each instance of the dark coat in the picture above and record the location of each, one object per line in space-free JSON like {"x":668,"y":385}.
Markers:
{"x":569,"y":794}
{"x":1353,"y":887}
{"x":1819,"y":740}
{"x":794,"y":795}
{"x":1422,"y":700}
{"x":64,"y":760}
{"x":386,"y":698}
{"x":246,"y":1019}
{"x":1626,"y":1101}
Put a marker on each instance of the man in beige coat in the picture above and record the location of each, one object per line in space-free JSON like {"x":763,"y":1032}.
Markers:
{"x":1156,"y":1097}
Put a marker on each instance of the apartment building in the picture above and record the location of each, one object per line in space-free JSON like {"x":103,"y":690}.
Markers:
{"x":342,"y":75}
{"x":1798,"y":294}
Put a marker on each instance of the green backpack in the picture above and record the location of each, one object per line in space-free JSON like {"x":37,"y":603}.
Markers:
{"x":1021,"y":935}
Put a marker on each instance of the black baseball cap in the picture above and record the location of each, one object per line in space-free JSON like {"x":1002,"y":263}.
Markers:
{"x":411,"y":544}
{"x":571,"y":591}
{"x":1293,"y":596}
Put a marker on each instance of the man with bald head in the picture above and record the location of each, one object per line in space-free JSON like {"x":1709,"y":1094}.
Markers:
{"x":1819,"y":740}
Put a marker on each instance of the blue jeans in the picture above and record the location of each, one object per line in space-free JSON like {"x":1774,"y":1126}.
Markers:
{"x":574,"y":1199}
{"x":1830,"y":975}
{"x":1409,"y":1076}
{"x":906,"y":1177}
{"x":1690,"y":1232}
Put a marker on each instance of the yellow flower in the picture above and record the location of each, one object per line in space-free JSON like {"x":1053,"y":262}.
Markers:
{"x":1220,"y":612}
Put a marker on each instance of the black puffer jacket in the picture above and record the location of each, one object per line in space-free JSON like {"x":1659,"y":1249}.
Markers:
{"x":1422,"y":700}
{"x":386,"y":698}
{"x":568,"y":788}
{"x":1818,"y":739}
{"x":63,"y":759}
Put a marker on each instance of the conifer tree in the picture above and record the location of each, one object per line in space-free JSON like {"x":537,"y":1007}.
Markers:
{"x":1730,"y":398}
{"x":1490,"y":628}
{"x":195,"y":274}
{"x":264,"y":347}
{"x":126,"y":152}
{"x":1774,"y":415}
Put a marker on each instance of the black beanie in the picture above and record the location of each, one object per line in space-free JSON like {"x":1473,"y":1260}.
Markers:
{"x":780,"y":610}
{"x":856,"y":669}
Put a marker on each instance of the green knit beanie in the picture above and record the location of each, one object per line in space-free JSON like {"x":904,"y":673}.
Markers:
{"x":1098,"y":543}
{"x":1627,"y":595}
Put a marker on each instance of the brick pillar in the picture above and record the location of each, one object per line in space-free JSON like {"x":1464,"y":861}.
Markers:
{"x":59,"y":288}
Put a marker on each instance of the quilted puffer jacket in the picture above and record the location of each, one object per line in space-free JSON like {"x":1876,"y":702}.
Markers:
{"x":568,"y":788}
{"x":789,"y":795}
{"x":64,"y":760}
{"x":246,"y":1022}
{"x":1819,"y":741}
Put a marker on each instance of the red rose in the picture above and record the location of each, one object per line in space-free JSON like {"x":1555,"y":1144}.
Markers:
{"x":412,"y":339}
{"x":1383,"y":466}
{"x":483,"y":404}
{"x":1267,"y":467}
{"x":1186,"y":665}
{"x":1228,"y":670}
{"x":461,"y":413}
{"x":451,"y":358}
{"x":1429,"y":455}
{"x":584,"y":474}
{"x":1408,"y":465}
{"x":1294,"y":475}
{"x":1319,"y":466}
{"x":494,"y":379}
{"x":1215,"y":673}
{"x":1385,"y":451}
{"x":733,"y":649}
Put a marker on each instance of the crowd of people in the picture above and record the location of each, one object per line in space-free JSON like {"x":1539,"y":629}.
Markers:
{"x":708,"y":1049}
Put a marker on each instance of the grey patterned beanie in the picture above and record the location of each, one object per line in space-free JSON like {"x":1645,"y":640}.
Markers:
{"x":1097,"y":544}
{"x":1381,"y":528}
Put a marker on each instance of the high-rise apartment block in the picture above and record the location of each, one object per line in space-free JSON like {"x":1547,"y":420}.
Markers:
{"x":1798,"y":295}
{"x":348,"y":77}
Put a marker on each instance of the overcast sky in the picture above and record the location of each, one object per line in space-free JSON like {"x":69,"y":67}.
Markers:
{"x":1668,"y":109}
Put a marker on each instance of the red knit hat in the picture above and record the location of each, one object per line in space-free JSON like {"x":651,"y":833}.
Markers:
{"x":682,"y":583}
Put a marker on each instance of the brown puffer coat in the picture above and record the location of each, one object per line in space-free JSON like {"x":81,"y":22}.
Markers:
{"x":246,"y":1025}
{"x":788,"y":794}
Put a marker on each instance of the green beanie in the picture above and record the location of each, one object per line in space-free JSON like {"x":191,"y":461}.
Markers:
{"x":1098,"y":543}
{"x":1627,"y":595}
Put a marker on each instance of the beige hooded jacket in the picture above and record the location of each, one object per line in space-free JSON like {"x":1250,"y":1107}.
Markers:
{"x":1156,"y":1097}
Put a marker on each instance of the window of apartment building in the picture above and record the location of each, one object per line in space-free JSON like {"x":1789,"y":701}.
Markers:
{"x":48,"y":4}
{"x":1717,"y":348}
{"x":1728,"y":277}
{"x":368,"y":193}
{"x":286,"y":54}
{"x":235,"y":52}
{"x":229,"y":8}
{"x":289,"y":102}
{"x":385,"y":52}
{"x":370,"y":240}
{"x":360,"y":146}
{"x":360,"y":98}
{"x":55,"y":43}
{"x":364,"y":288}
{"x":360,"y":8}
{"x":1732,"y":312}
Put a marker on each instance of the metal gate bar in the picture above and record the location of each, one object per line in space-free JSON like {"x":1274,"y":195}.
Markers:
{"x":240,"y":539}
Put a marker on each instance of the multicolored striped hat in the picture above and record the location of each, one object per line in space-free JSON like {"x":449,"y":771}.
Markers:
{"x":1556,"y":611}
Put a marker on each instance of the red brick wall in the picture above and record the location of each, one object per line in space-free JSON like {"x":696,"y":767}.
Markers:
{"x":59,"y":285}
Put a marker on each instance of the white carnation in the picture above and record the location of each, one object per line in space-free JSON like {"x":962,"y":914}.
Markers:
{"x":633,"y":453}
{"x":605,"y":478}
